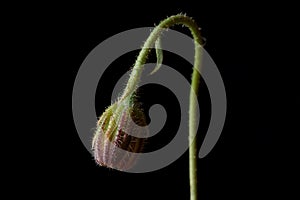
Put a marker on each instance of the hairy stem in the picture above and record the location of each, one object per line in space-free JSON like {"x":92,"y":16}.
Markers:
{"x":136,"y":75}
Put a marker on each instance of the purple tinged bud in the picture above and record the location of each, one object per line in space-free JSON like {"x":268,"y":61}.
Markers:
{"x":113,"y":145}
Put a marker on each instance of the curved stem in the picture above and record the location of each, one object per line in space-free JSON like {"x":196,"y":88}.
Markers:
{"x":136,"y":75}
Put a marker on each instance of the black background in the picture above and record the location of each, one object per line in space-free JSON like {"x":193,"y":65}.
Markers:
{"x":240,"y":38}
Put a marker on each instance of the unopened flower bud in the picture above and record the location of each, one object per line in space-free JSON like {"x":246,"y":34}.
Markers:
{"x":114,"y":145}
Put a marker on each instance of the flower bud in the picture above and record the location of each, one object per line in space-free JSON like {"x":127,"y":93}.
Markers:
{"x":114,"y":145}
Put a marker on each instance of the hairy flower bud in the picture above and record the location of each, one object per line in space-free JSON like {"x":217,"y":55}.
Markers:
{"x":114,"y":145}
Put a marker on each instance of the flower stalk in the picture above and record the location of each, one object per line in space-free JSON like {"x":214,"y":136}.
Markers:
{"x":112,"y":116}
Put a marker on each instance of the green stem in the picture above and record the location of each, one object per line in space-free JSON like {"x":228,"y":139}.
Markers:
{"x":136,"y":75}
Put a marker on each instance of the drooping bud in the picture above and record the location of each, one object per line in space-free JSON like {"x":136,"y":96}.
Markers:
{"x":120,"y":136}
